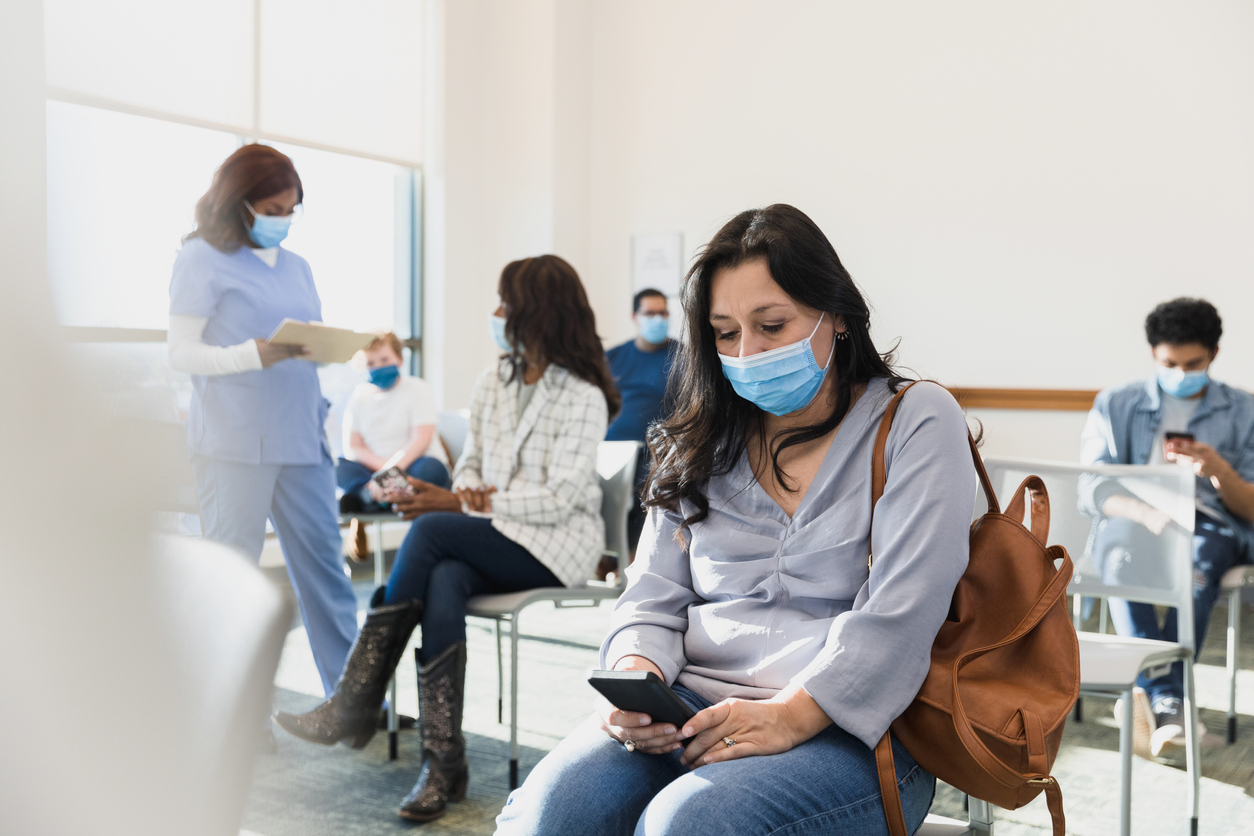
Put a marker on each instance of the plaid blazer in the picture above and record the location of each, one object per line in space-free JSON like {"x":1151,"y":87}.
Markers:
{"x":543,"y":465}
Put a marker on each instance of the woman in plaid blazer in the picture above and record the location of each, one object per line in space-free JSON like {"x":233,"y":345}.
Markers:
{"x":524,"y":512}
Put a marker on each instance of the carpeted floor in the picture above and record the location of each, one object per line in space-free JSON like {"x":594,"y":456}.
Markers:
{"x":308,"y":790}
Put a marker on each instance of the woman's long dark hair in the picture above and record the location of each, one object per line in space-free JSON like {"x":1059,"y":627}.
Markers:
{"x":710,"y":426}
{"x":254,"y":172}
{"x":547,"y":316}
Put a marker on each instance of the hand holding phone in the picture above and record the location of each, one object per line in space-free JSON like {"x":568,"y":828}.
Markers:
{"x":652,"y":724}
{"x":643,"y":692}
{"x":393,"y":482}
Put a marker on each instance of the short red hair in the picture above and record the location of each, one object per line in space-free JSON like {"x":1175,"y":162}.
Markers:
{"x":387,"y":338}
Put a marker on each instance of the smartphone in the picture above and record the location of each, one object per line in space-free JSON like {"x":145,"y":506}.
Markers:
{"x":644,"y":692}
{"x":393,"y":481}
{"x":1175,"y":436}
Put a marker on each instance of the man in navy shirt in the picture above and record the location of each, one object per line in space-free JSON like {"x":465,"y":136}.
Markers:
{"x":640,"y":368}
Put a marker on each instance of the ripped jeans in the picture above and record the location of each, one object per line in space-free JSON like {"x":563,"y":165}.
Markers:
{"x":1216,"y":549}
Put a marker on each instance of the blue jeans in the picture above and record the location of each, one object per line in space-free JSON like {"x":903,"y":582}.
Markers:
{"x":447,"y":559}
{"x":352,"y":476}
{"x":591,"y":785}
{"x":1216,"y":549}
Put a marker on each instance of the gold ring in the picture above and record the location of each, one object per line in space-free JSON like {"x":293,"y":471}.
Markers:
{"x":729,"y":741}
{"x":629,"y":745}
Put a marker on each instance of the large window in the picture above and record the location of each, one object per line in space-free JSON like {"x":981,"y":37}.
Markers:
{"x":121,"y":194}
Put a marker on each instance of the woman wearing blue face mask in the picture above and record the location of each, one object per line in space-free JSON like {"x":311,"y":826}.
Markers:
{"x":752,"y":594}
{"x":524,"y":512}
{"x":255,"y":424}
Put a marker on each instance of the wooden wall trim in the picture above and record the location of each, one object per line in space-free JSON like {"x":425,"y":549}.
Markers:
{"x":1074,"y":400}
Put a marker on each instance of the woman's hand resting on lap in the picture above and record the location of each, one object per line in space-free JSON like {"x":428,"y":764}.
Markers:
{"x":425,"y":499}
{"x":759,"y":727}
{"x":649,"y":737}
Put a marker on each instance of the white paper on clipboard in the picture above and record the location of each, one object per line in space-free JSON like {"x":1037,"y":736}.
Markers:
{"x":326,"y":344}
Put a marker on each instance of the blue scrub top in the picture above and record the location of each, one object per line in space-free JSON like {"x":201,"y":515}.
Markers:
{"x":269,"y":416}
{"x":641,"y":380}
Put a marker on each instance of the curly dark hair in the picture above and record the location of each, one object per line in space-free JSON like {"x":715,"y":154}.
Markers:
{"x":1183,"y":321}
{"x":547,"y":314}
{"x":710,"y":426}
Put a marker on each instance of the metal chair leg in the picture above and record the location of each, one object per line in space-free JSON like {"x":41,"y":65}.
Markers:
{"x":513,"y":702}
{"x":1234,"y":633}
{"x":1078,"y":712}
{"x":1125,"y":757}
{"x":1192,"y":762}
{"x":379,"y":580}
{"x":500,"y":673}
{"x":980,"y":815}
{"x":393,"y":723}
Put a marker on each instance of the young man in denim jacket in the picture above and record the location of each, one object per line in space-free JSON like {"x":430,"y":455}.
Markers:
{"x":1127,"y":425}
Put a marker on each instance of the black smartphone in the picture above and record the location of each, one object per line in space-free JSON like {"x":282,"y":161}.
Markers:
{"x":393,"y":481}
{"x":644,"y":692}
{"x":1175,"y":436}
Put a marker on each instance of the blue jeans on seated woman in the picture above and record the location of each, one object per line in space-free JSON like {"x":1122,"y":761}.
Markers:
{"x":352,"y":476}
{"x":590,"y":784}
{"x":445,"y":560}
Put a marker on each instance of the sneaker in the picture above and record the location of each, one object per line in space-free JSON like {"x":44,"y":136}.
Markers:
{"x":1168,"y":741}
{"x":1142,"y":722}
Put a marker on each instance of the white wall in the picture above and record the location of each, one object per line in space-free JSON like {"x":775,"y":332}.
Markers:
{"x":1014,"y":185}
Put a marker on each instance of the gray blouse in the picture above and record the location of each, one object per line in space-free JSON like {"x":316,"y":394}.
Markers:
{"x":758,"y":600}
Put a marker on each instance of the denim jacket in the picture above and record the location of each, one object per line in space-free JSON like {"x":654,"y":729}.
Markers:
{"x":1123,"y":423}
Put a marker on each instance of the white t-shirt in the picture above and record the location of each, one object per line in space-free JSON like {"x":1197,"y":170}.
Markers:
{"x":385,"y":417}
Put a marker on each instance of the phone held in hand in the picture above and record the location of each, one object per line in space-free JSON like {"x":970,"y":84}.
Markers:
{"x":393,"y":482}
{"x":643,"y":692}
{"x":1175,"y":436}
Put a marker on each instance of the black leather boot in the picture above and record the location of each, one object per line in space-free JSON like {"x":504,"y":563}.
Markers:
{"x":441,"y":693}
{"x":353,"y":710}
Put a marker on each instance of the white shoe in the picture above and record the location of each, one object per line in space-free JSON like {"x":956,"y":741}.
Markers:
{"x":1168,"y":741}
{"x":1142,"y":722}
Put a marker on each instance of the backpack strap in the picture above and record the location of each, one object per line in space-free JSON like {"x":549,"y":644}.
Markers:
{"x":879,"y":473}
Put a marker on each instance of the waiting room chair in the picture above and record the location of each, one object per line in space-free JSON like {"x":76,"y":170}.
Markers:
{"x":452,"y":426}
{"x":979,"y":821}
{"x":228,"y":621}
{"x":616,"y":466}
{"x":1234,"y":580}
{"x":1109,"y":664}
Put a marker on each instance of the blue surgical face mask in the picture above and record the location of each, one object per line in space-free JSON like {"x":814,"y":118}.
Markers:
{"x":384,"y":376}
{"x":653,"y":328}
{"x":497,"y":325}
{"x":1181,"y":384}
{"x":781,"y":380}
{"x":268,"y":230}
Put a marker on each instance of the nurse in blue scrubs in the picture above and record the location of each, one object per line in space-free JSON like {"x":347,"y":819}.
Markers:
{"x":255,"y":427}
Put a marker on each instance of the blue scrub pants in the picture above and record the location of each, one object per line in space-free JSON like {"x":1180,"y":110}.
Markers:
{"x":590,"y":784}
{"x":299,"y":500}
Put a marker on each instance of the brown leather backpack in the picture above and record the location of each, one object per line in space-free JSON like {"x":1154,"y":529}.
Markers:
{"x":1005,"y":665}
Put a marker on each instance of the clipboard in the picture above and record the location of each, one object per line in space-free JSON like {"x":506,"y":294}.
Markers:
{"x":326,"y":344}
